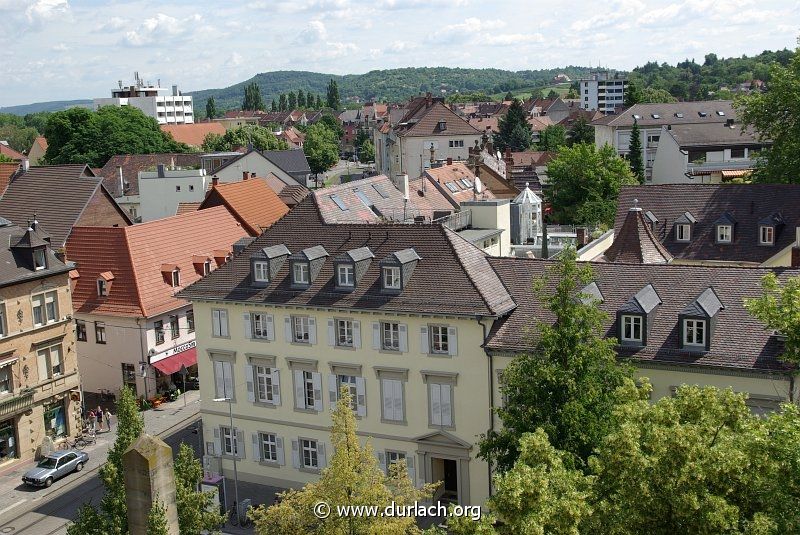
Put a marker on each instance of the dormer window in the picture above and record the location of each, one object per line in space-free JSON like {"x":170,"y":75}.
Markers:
{"x":683,"y":232}
{"x":261,"y":271}
{"x":391,"y":277}
{"x":206,"y":267}
{"x":102,"y":288}
{"x":652,"y":219}
{"x":442,"y":125}
{"x":345,"y":275}
{"x":350,"y":268}
{"x":397,"y":268}
{"x":265,"y":264}
{"x":631,"y":329}
{"x":300,"y":273}
{"x":176,"y":278}
{"x":39,"y":258}
{"x":307,"y":264}
{"x":766,"y":235}
{"x":636,"y":317}
{"x":724,"y":233}
{"x":697,"y":320}
{"x":694,"y":332}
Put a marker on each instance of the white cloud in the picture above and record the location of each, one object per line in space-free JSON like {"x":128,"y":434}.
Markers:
{"x":506,"y":39}
{"x":152,"y":31}
{"x":60,"y":47}
{"x":113,"y":24}
{"x":314,"y":32}
{"x":235,"y":59}
{"x":613,"y":13}
{"x":42,"y":10}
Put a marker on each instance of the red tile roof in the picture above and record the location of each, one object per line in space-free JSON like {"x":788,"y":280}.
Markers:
{"x":449,"y":177}
{"x":187,"y":207}
{"x":252,"y":202}
{"x":135,"y":255}
{"x":635,"y":242}
{"x":193,"y":134}
{"x":8,"y":152}
{"x":423,"y":119}
{"x":6,"y":170}
{"x":41,"y":141}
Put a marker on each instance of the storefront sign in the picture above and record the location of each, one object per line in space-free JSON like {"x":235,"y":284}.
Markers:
{"x":173,"y":351}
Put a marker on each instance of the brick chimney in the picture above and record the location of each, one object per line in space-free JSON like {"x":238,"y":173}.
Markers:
{"x":449,"y":161}
{"x":428,"y":99}
{"x":245,"y":175}
{"x":508,"y":159}
{"x":214,"y":181}
{"x":581,"y":236}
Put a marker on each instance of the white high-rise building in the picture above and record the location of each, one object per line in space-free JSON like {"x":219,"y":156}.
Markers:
{"x":603,"y":91}
{"x":164,"y":105}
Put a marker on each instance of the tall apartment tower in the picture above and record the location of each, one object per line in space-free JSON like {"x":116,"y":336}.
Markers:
{"x":603,"y":91}
{"x":164,"y":105}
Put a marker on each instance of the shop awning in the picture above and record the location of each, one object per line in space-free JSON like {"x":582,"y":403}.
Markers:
{"x":172,"y":364}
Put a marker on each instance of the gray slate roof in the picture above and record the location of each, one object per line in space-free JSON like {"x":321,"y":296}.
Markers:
{"x":712,"y":135}
{"x":14,"y":268}
{"x":670,"y":114}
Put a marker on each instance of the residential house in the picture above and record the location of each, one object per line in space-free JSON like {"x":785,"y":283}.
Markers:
{"x":82,"y":200}
{"x":603,"y":91}
{"x":252,"y":202}
{"x":193,"y":134}
{"x":733,"y":224}
{"x":528,"y":168}
{"x":705,"y":153}
{"x":131,"y":329}
{"x":8,"y":152}
{"x":294,"y":137}
{"x":290,"y":166}
{"x":615,"y":130}
{"x":37,"y":150}
{"x":554,"y":108}
{"x":429,"y":132}
{"x":162,"y":190}
{"x":236,"y":118}
{"x":40,"y":394}
{"x":7,"y":171}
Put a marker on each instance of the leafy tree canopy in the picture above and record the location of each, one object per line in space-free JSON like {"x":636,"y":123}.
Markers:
{"x":514,"y":132}
{"x":242,"y":136}
{"x":321,"y":147}
{"x":779,"y":309}
{"x":580,"y":131}
{"x":635,"y":156}
{"x":252,"y":98}
{"x":367,"y":152}
{"x":332,"y":124}
{"x":552,"y":137}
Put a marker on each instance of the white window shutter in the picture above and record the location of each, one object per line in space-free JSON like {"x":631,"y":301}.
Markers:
{"x":452,"y":341}
{"x":423,"y":341}
{"x":317,"y":379}
{"x":436,"y":404}
{"x":276,"y":386}
{"x":256,"y":447}
{"x":321,"y":460}
{"x":219,"y":382}
{"x":361,"y":397}
{"x":249,"y":378}
{"x":312,"y":331}
{"x":382,"y":460}
{"x":240,"y":444}
{"x":376,"y":335}
{"x":42,"y":362}
{"x":279,"y":451}
{"x":299,"y":390}
{"x":287,"y":328}
{"x":403,"y":330}
{"x":388,"y":404}
{"x":217,"y":442}
{"x":248,"y":327}
{"x":331,"y":334}
{"x":228,"y":373}
{"x":397,"y":398}
{"x":447,"y":409}
{"x":295,"y":454}
{"x":223,"y":321}
{"x":333,"y":395}
{"x":412,"y":472}
{"x":356,"y":334}
{"x":270,"y":327}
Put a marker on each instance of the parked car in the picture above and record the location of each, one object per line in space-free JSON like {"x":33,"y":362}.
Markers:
{"x":55,"y":466}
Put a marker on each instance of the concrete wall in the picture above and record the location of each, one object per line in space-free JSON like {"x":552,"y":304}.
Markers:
{"x":159,"y":197}
{"x":253,"y":163}
{"x":493,"y":214}
{"x":670,"y":164}
{"x":101,"y":211}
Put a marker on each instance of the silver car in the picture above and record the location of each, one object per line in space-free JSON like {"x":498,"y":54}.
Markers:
{"x":55,"y":466}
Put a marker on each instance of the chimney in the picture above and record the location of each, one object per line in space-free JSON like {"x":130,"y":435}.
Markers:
{"x":508,"y":159}
{"x":245,"y":175}
{"x":121,"y":180}
{"x":729,"y":123}
{"x":214,"y":181}
{"x":428,"y":99}
{"x":26,"y":165}
{"x":449,"y":161}
{"x":174,"y":90}
{"x":252,"y":175}
{"x":581,"y":236}
{"x":795,"y":257}
{"x":161,"y":170}
{"x":405,"y":187}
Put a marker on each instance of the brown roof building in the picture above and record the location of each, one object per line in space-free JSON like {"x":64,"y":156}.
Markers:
{"x":252,"y":202}
{"x":121,"y":172}
{"x":193,"y":134}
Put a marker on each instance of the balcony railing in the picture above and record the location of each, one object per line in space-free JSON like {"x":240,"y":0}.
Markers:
{"x":457,"y":220}
{"x":18,"y":403}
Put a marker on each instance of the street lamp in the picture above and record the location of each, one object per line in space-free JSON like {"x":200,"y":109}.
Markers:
{"x":235,"y":452}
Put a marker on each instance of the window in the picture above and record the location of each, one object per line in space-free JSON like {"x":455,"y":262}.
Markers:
{"x":219,"y":323}
{"x":191,"y":187}
{"x":737,"y":153}
{"x":269,"y":447}
{"x":230,"y":446}
{"x":39,"y":259}
{"x":206,"y":267}
{"x":100,"y":332}
{"x":159,"y":329}
{"x":393,"y":457}
{"x":310,"y":453}
{"x":260,"y":329}
{"x":456,"y":143}
{"x":300,"y":273}
{"x":177,"y":188}
{"x":694,"y":332}
{"x":348,"y":381}
{"x":190,"y":321}
{"x":223,"y":379}
{"x":346,"y":275}
{"x":263,"y":376}
{"x":80,"y":330}
{"x":390,"y":336}
{"x":174,"y":330}
{"x":439,"y":339}
{"x":300,"y":329}
{"x":441,"y":411}
{"x":392,"y":391}
{"x":683,"y":232}
{"x":344,"y":333}
{"x":3,"y":328}
{"x":307,"y":385}
{"x":724,"y":233}
{"x":44,"y":308}
{"x":176,"y":278}
{"x":50,"y":363}
{"x":261,"y":271}
{"x":631,"y":329}
{"x":391,"y":277}
{"x":766,"y":235}
{"x":5,"y":380}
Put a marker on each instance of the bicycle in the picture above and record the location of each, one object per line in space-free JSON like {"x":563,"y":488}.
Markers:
{"x":238,"y":518}
{"x":80,"y":442}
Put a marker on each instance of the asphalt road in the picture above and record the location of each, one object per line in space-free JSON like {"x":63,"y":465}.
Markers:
{"x":52,"y":516}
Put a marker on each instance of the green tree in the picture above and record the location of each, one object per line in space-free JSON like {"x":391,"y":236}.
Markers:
{"x":775,"y":117}
{"x":157,"y":519}
{"x":195,"y":514}
{"x":779,"y":309}
{"x":5,"y":159}
{"x":552,"y":137}
{"x":78,"y":135}
{"x":352,"y":478}
{"x":282,"y":103}
{"x":581,"y":131}
{"x":635,"y":153}
{"x":651,"y":95}
{"x":572,"y":94}
{"x":633,"y":94}
{"x":552,"y":95}
{"x":291,"y":101}
{"x":585,"y":183}
{"x":332,"y":124}
{"x":509,"y":97}
{"x":321,"y":148}
{"x":367,"y":152}
{"x":252,"y":98}
{"x":274,"y":106}
{"x":362,"y":136}
{"x":514,"y":131}
{"x":211,"y":108}
{"x":318,"y":103}
{"x":571,"y":383}
{"x":333,"y":101}
{"x":301,"y":99}
{"x":242,"y":136}
{"x":20,"y":138}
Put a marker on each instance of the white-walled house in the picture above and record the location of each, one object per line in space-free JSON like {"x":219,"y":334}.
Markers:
{"x":162,"y":190}
{"x":126,"y":312}
{"x":162,"y":104}
{"x":290,"y":166}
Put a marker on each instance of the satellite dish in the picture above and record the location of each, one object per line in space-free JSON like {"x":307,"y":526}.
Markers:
{"x":478,"y":185}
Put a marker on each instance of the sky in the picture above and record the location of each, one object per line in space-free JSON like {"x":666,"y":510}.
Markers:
{"x":71,"y":49}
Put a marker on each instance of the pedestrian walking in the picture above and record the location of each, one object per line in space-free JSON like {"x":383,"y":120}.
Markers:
{"x":99,"y":414}
{"x":92,"y":420}
{"x":107,"y":417}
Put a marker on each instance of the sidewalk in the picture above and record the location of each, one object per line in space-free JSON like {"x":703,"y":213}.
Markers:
{"x":16,"y":497}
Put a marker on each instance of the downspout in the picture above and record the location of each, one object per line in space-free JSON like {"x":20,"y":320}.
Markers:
{"x":791,"y":388}
{"x":142,"y":353}
{"x":491,"y":395}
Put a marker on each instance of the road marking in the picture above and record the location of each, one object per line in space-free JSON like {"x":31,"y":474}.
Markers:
{"x":23,"y":500}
